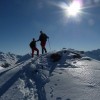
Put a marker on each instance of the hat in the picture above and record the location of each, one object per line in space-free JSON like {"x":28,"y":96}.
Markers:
{"x":33,"y":39}
{"x":41,"y":32}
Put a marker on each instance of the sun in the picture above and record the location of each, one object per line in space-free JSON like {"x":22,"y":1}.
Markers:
{"x":74,"y":8}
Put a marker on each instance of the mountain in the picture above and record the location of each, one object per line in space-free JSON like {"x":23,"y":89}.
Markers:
{"x":95,"y":54}
{"x":8,"y":59}
{"x":58,"y":75}
{"x":24,"y":58}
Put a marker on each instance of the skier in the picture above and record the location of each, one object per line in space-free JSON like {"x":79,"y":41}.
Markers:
{"x":43,"y":38}
{"x":33,"y":47}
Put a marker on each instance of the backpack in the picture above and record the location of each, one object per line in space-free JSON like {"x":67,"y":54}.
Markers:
{"x":32,"y":44}
{"x":43,"y":37}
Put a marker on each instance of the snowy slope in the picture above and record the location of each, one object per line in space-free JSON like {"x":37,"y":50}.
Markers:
{"x":40,"y":78}
{"x":1,"y":67}
{"x":8,"y":58}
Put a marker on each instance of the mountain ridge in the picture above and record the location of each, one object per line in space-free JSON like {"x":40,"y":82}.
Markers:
{"x":10,"y":58}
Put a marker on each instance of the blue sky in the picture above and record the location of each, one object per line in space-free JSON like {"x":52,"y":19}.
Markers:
{"x":21,"y":20}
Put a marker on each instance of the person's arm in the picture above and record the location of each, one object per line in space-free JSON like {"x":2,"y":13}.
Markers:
{"x":47,"y":37}
{"x":37,"y":40}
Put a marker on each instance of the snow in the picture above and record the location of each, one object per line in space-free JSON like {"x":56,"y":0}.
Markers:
{"x":8,"y":58}
{"x":1,"y":67}
{"x":40,"y":78}
{"x":95,"y":54}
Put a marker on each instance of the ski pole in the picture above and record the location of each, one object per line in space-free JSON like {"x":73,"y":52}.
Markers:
{"x":49,"y":44}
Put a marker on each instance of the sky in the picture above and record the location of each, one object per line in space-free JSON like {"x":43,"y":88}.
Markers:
{"x":22,"y":20}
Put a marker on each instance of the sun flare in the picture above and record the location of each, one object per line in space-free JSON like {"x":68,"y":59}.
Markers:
{"x":74,"y":8}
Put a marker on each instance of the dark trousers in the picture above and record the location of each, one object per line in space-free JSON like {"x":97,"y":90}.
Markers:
{"x":43,"y":43}
{"x":35,"y":49}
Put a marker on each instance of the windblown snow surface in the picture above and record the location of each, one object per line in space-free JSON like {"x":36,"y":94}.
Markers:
{"x":40,"y":78}
{"x":8,"y":58}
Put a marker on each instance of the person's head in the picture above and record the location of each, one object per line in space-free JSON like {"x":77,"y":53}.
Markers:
{"x":33,"y":39}
{"x":41,"y":32}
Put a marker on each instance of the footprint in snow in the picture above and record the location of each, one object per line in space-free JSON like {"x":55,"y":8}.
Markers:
{"x":58,"y":98}
{"x":60,"y":72}
{"x":68,"y":99}
{"x":91,"y":86}
{"x":55,"y":84}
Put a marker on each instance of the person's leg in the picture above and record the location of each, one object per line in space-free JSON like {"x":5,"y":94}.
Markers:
{"x":32,"y":52}
{"x":43,"y":47}
{"x":42,"y":50}
{"x":42,"y":44}
{"x":37,"y":51}
{"x":45,"y":50}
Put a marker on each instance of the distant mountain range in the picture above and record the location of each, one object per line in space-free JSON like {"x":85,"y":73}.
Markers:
{"x":95,"y":54}
{"x":8,"y":59}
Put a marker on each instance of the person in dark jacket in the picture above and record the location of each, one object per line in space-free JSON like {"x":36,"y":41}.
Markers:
{"x":33,"y":47}
{"x":43,"y":38}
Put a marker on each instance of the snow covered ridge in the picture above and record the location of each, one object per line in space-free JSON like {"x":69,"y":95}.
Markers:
{"x":7,"y":59}
{"x":95,"y":54}
{"x":59,"y":75}
{"x":24,"y":58}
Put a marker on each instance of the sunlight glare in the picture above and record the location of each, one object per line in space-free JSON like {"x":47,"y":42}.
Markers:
{"x":74,"y":8}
